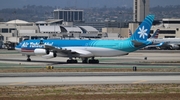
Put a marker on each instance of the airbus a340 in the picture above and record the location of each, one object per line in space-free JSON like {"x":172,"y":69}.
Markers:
{"x":87,"y":50}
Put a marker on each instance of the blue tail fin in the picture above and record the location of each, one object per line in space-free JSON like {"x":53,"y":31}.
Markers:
{"x":143,"y":31}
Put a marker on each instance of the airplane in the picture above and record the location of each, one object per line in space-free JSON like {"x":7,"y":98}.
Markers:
{"x":163,"y":43}
{"x":167,"y":43}
{"x":87,"y":49}
{"x":152,"y":38}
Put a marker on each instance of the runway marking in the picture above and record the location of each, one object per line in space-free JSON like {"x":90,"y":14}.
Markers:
{"x":140,"y":81}
{"x":18,"y":83}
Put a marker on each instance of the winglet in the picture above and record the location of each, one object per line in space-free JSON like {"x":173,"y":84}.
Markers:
{"x":143,"y":31}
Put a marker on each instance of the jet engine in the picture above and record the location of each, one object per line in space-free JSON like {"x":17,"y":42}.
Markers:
{"x":40,"y":51}
{"x":50,"y":55}
{"x":174,"y":47}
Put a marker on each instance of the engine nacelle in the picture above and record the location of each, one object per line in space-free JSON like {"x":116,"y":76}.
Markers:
{"x":174,"y":47}
{"x":40,"y":51}
{"x":50,"y":55}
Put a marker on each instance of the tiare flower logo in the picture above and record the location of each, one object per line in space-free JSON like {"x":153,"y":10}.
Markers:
{"x":142,"y":32}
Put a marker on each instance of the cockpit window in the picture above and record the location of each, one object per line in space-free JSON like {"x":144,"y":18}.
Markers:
{"x":17,"y":44}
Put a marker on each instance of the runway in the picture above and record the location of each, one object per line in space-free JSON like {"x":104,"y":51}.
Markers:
{"x":66,"y":78}
{"x":166,"y":60}
{"x":131,"y":59}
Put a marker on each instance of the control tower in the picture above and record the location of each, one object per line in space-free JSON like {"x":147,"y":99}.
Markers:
{"x":140,"y":10}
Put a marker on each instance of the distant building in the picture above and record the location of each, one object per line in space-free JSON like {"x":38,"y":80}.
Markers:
{"x":169,"y":28}
{"x":140,"y":10}
{"x":49,"y":22}
{"x":69,"y":15}
{"x":97,"y":25}
{"x":100,"y":25}
{"x":15,"y":31}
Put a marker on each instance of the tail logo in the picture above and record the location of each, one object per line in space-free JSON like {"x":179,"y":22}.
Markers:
{"x":142,"y":32}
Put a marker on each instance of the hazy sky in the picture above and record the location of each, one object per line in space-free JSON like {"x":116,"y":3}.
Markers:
{"x":81,"y":3}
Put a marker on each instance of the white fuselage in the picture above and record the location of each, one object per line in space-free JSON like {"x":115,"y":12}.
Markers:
{"x":94,"y":51}
{"x":166,"y":40}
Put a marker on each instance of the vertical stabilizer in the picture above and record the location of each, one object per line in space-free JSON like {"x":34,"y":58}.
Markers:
{"x":143,"y":31}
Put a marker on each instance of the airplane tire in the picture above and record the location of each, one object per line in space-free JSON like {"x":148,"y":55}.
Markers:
{"x":28,"y":59}
{"x":72,"y":61}
{"x":94,"y":61}
{"x":75,"y":61}
{"x":85,"y":61}
{"x":97,"y":61}
{"x":90,"y":61}
{"x":68,"y":61}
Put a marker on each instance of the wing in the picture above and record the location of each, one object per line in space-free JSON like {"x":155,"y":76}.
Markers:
{"x":157,"y":45}
{"x":69,"y":51}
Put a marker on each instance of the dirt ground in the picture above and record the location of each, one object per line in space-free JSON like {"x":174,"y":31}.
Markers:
{"x":92,"y":92}
{"x":164,"y":96}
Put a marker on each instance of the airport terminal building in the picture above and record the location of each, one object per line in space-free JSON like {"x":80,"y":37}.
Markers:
{"x":169,"y":28}
{"x":15,"y":31}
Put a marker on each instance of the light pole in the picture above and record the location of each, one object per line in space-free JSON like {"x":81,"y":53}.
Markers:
{"x":1,"y":37}
{"x":120,"y":22}
{"x":16,"y":28}
{"x":119,"y":35}
{"x":144,"y":2}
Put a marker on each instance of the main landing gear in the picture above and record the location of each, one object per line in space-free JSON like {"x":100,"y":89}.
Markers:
{"x":90,"y":61}
{"x":84,"y":60}
{"x":28,"y":58}
{"x":72,"y":61}
{"x":95,"y":61}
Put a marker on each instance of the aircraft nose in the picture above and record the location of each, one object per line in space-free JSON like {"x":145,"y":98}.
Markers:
{"x":18,"y":49}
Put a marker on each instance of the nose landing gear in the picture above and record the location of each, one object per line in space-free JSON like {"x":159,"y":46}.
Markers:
{"x":28,"y":58}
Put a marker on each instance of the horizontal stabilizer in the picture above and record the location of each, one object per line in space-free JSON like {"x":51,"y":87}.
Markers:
{"x":137,"y":43}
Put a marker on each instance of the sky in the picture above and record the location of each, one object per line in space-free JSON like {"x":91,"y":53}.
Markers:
{"x":81,"y":3}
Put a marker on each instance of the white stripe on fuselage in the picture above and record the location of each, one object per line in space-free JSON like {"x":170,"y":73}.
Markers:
{"x":96,"y":51}
{"x":100,"y":52}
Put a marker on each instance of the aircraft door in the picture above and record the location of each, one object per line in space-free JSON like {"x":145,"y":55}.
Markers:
{"x":41,"y":42}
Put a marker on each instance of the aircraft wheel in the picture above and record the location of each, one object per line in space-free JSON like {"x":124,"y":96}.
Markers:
{"x":94,"y":61}
{"x":91,"y":61}
{"x":28,"y":59}
{"x":72,"y":61}
{"x":85,"y":61}
{"x":68,"y":61}
{"x":75,"y":61}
